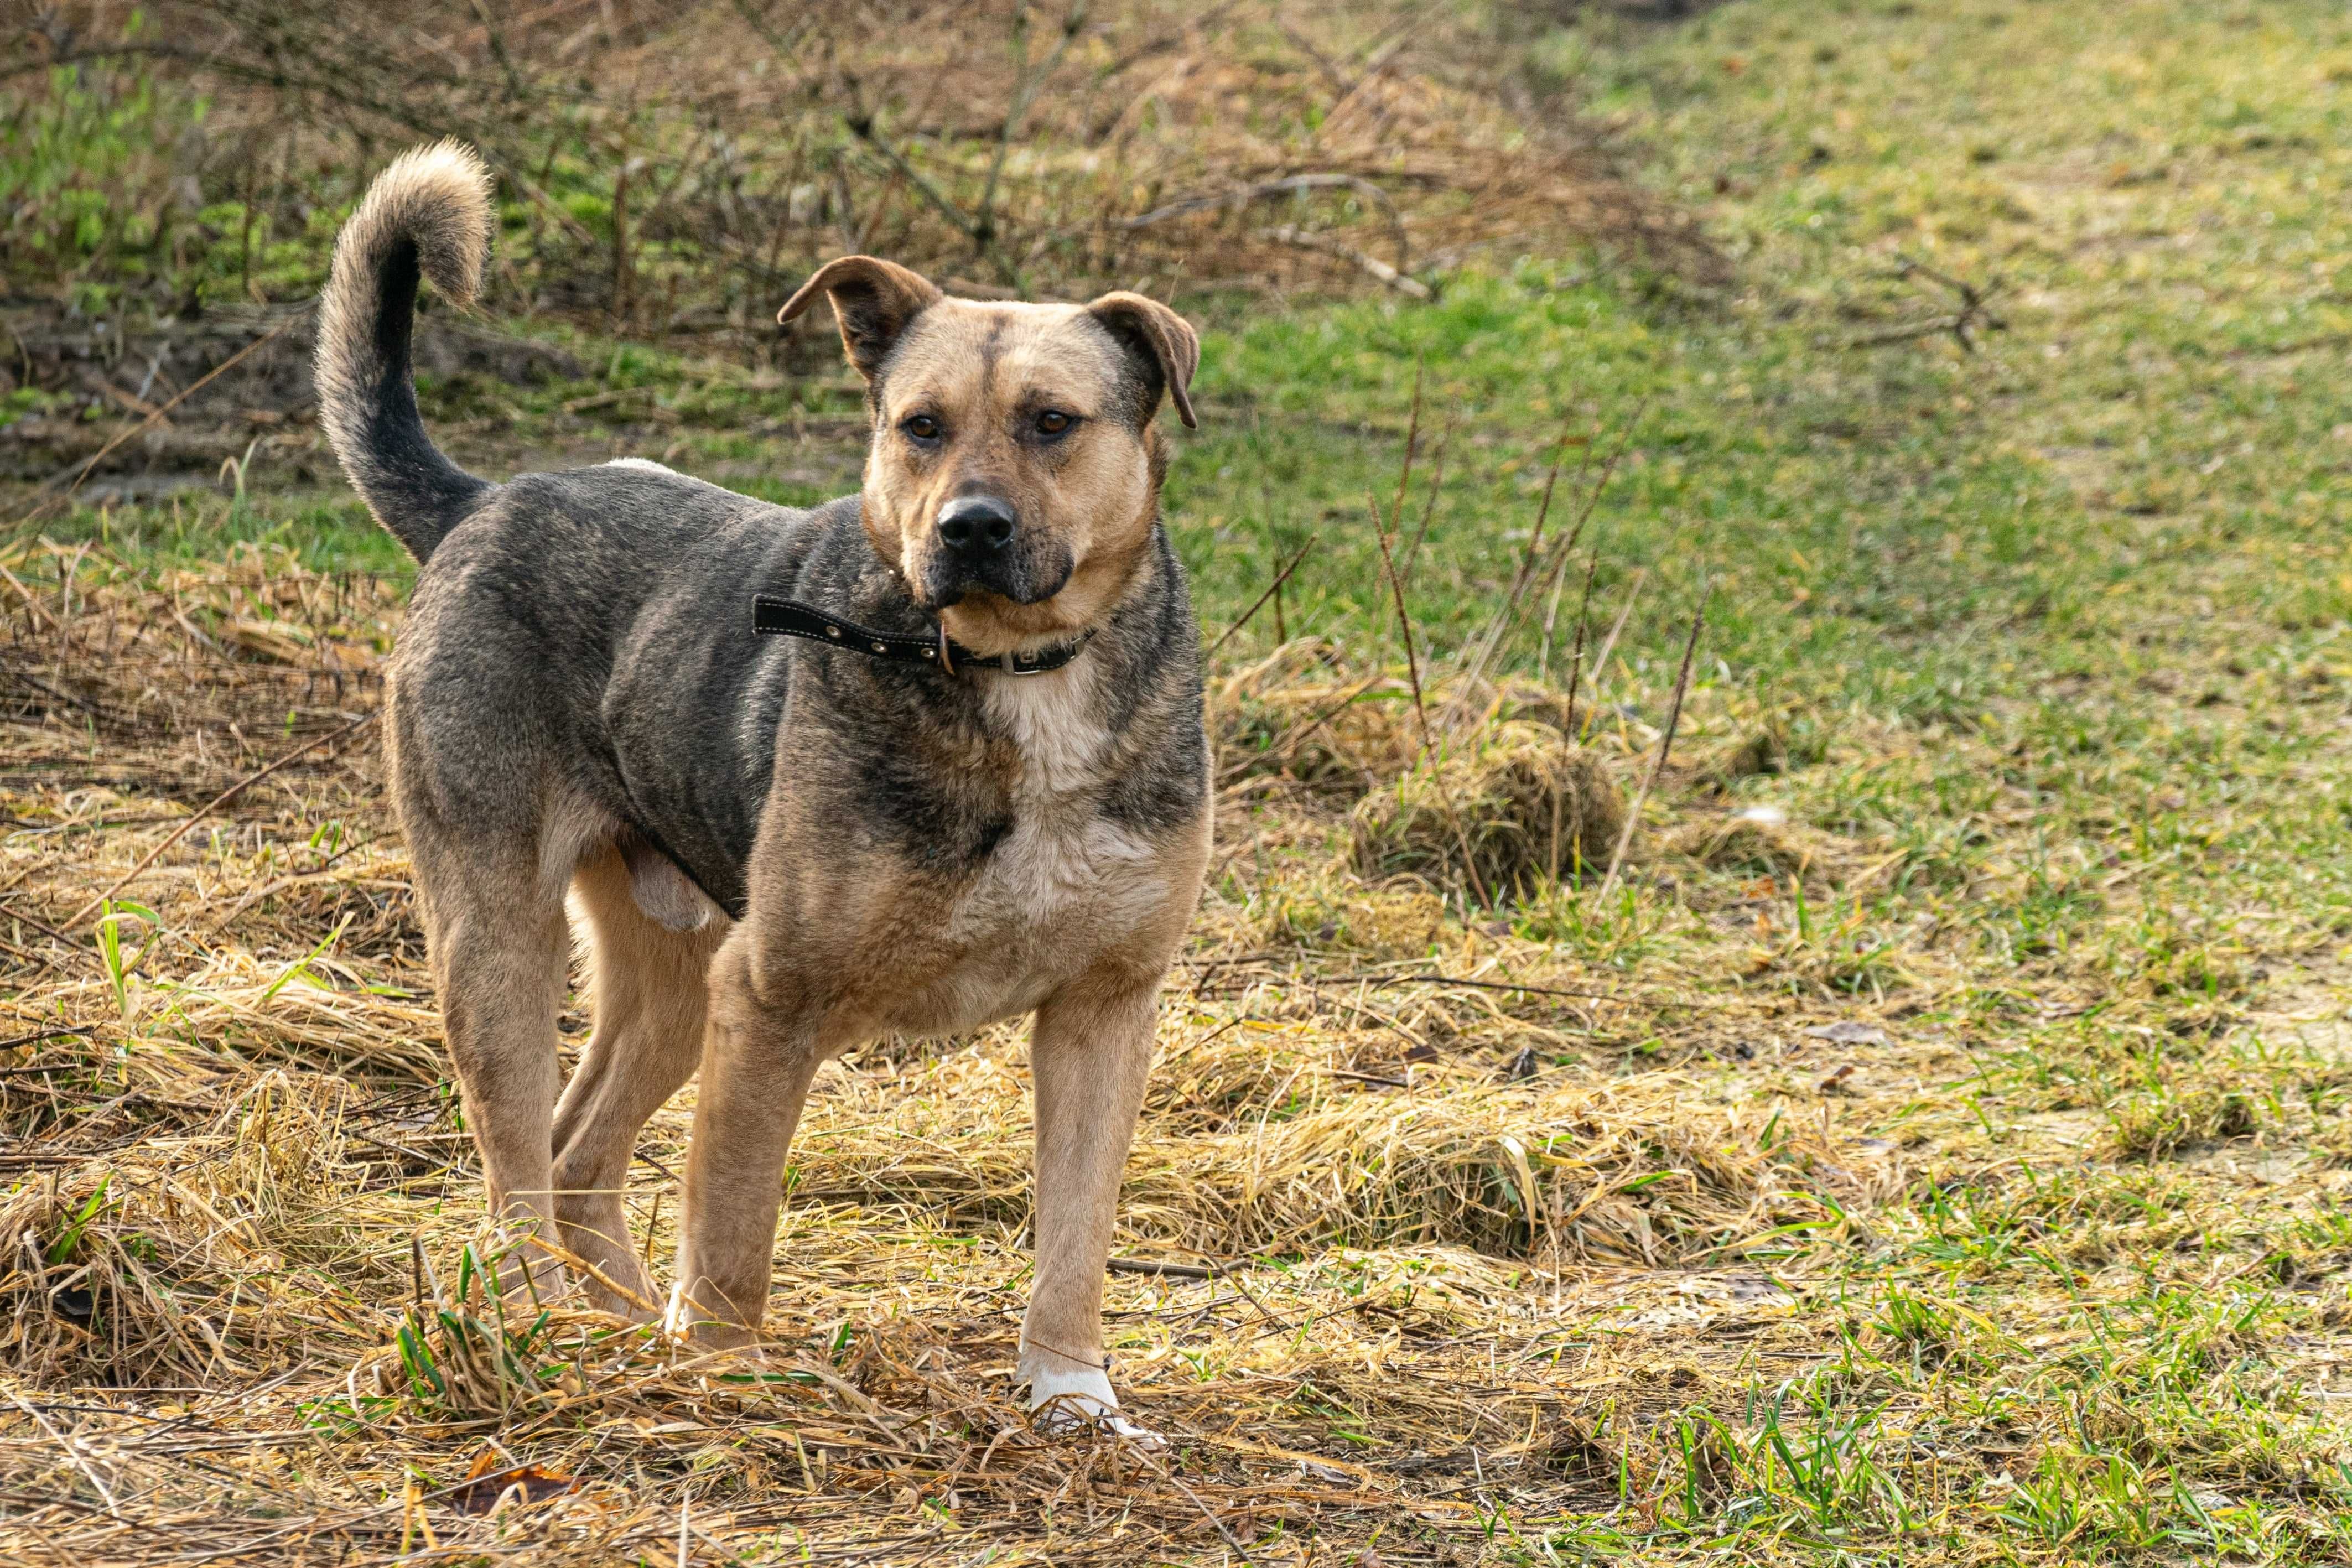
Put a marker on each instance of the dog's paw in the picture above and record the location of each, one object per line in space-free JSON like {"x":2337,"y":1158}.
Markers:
{"x":685,"y":1322}
{"x":1081,"y":1399}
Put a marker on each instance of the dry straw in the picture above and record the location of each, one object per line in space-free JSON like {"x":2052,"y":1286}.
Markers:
{"x":242,"y":1306}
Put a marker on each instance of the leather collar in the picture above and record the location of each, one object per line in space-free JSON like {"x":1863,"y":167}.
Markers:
{"x":777,"y":616}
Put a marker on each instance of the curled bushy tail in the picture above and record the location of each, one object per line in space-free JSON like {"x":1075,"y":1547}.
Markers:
{"x":429,"y":215}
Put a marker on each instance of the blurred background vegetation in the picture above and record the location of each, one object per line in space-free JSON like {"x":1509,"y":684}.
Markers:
{"x":670,"y":172}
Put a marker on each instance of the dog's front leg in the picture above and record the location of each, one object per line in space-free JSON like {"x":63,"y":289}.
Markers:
{"x":759,"y":1053}
{"x":1089,"y":1056}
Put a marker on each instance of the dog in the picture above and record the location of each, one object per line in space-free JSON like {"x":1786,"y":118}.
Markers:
{"x":948,"y":769}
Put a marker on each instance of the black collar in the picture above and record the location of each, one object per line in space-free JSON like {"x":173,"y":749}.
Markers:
{"x":778,"y":617}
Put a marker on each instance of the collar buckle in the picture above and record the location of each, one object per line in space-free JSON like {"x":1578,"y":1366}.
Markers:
{"x":1046,"y":662}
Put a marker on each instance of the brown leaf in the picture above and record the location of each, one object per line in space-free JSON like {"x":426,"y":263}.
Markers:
{"x":487,"y":1481}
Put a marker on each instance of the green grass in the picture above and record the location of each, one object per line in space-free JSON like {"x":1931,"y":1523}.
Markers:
{"x":326,"y":532}
{"x":2056,"y":627}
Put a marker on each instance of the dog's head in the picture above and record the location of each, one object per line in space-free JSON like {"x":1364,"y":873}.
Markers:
{"x":1015,"y":474}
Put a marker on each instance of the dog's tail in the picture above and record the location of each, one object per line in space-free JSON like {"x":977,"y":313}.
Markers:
{"x":427,"y":215}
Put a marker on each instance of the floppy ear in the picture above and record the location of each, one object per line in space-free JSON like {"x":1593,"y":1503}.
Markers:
{"x":1157,"y":336}
{"x":872,"y":298}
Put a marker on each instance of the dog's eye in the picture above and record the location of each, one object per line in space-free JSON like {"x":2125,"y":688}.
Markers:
{"x":922,"y":427}
{"x":1053,"y":422}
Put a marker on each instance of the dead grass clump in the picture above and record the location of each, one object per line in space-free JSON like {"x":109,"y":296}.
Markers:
{"x":1753,"y":756}
{"x":1755,"y":845}
{"x":1204,"y":1089}
{"x":1335,"y":756}
{"x":1500,"y":1171}
{"x":472,"y":1354}
{"x":1295,"y":1152}
{"x":168,"y":1268}
{"x":1501,"y":816}
{"x":2184,"y":968}
{"x":1328,"y":918}
{"x":308,"y":1011}
{"x":1313,"y":727}
{"x":2173,"y":1117}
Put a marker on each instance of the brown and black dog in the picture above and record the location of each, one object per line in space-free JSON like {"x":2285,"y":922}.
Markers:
{"x":969,"y":783}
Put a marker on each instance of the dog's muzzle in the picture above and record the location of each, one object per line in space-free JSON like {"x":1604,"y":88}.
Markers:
{"x":981,"y":545}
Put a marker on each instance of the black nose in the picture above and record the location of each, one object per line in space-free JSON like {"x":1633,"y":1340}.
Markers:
{"x":977,"y":526}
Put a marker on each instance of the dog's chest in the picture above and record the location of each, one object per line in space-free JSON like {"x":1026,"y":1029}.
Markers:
{"x":1062,"y":888}
{"x":985,"y":866}
{"x":1064,"y":868}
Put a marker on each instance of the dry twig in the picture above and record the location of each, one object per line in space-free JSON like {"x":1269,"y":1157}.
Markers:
{"x":1975,"y":313}
{"x":1666,"y":745}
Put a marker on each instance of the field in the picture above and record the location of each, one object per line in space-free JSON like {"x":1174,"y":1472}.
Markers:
{"x":1867,"y":1084}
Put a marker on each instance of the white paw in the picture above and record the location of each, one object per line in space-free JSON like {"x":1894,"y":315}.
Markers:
{"x":1066,"y":1399}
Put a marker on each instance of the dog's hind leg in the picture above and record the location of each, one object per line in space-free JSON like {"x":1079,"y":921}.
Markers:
{"x":496,"y":934}
{"x":651,"y":986}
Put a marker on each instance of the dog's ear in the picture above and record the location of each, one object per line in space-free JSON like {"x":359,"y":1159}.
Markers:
{"x":1162,"y":340}
{"x":872,"y":298}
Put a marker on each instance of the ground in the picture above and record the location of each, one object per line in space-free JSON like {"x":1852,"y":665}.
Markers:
{"x":1928,"y":1144}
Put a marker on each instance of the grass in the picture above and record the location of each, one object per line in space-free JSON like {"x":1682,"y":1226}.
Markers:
{"x":2015,"y":745}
